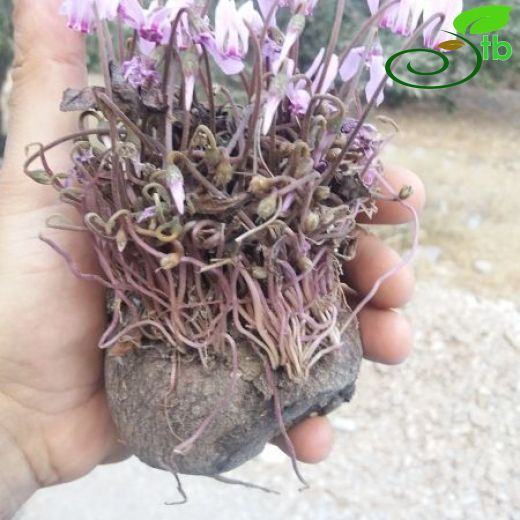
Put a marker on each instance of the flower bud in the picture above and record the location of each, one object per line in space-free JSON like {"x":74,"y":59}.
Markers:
{"x":260,"y":273}
{"x":340,"y":141}
{"x":212,"y":156}
{"x":40,"y":176}
{"x":121,"y":240}
{"x":170,"y":261}
{"x":260,"y":184}
{"x":406,"y":192}
{"x":267,"y":207}
{"x":127,"y":150}
{"x":311,"y":222}
{"x":304,"y":264}
{"x":223,"y":173}
{"x":333,"y":154}
{"x":322,"y":193}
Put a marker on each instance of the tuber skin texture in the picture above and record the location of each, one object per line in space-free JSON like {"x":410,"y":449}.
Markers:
{"x":152,"y":420}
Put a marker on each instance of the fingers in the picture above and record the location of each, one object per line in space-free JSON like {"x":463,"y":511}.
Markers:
{"x":119,"y":453}
{"x":312,"y":440}
{"x":49,"y":58}
{"x":386,"y":338}
{"x":394,"y":212}
{"x":385,"y":334}
{"x":373,"y":259}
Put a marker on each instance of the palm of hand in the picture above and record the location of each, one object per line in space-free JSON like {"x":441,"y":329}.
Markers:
{"x":51,"y":369}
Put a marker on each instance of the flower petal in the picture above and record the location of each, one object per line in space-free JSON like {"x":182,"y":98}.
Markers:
{"x":350,"y":66}
{"x":377,"y":73}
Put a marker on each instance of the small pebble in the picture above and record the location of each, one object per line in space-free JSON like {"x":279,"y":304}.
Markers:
{"x":483,"y":266}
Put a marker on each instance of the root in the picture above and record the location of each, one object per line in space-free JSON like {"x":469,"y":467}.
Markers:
{"x":180,"y":490}
{"x":226,"y":480}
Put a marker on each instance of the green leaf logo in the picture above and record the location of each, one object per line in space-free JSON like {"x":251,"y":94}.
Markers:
{"x":483,"y":20}
{"x":451,"y":45}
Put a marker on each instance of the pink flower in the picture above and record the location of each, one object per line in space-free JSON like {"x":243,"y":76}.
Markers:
{"x":375,"y":64}
{"x":147,"y":213}
{"x":376,"y":67}
{"x":140,"y":71}
{"x":352,"y":63}
{"x":276,"y":93}
{"x":307,"y":6}
{"x":230,"y":43}
{"x":81,"y":14}
{"x":190,"y":66}
{"x":408,"y":16}
{"x":404,"y":17}
{"x":297,"y":93}
{"x":299,"y":98}
{"x":451,"y":9}
{"x":266,"y":6}
{"x":231,"y":33}
{"x":152,"y":24}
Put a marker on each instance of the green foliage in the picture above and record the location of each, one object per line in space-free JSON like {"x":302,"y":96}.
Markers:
{"x":6,"y":44}
{"x":6,"y":53}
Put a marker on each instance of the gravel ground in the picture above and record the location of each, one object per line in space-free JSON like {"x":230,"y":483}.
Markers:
{"x":435,"y":438}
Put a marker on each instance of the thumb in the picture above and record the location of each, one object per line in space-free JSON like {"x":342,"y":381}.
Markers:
{"x":49,"y":58}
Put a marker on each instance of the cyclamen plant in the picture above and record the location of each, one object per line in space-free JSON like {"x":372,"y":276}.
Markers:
{"x":276,"y":184}
{"x":216,"y":213}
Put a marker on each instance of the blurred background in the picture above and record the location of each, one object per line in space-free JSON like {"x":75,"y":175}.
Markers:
{"x":436,"y":438}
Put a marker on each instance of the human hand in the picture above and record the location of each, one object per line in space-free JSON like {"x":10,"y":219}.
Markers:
{"x":52,"y":400}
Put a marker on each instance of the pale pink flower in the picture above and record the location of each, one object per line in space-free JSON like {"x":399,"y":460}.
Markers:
{"x":190,"y":66}
{"x":299,"y":95}
{"x":307,"y":6}
{"x":299,"y":98}
{"x":404,"y":17}
{"x":266,"y":6}
{"x":276,"y":93}
{"x":352,"y":63}
{"x":146,"y":214}
{"x":389,"y":17}
{"x":81,"y":14}
{"x":375,"y":63}
{"x":252,"y":17}
{"x":153,"y":24}
{"x":451,"y":9}
{"x":376,"y":67}
{"x":408,"y":16}
{"x":231,"y":33}
{"x":230,"y":44}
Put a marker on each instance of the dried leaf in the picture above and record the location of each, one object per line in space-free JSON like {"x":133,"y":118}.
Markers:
{"x":79,"y":100}
{"x":153,"y":99}
{"x":209,"y":205}
{"x":120,"y":349}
